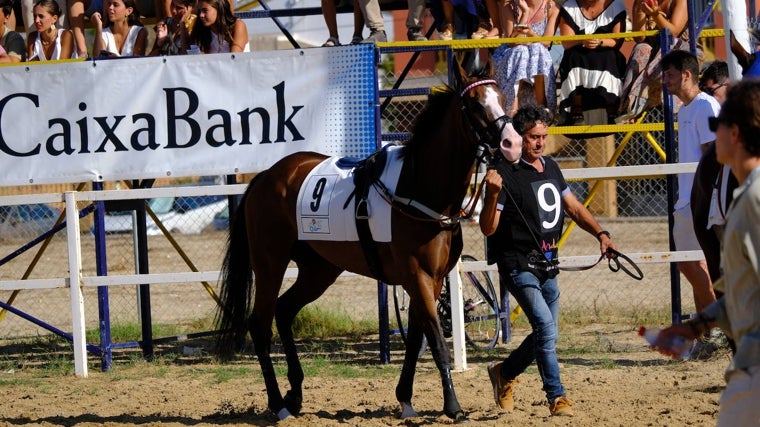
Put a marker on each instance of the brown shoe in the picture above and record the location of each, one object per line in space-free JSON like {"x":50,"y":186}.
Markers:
{"x":503,"y":390}
{"x":561,"y":407}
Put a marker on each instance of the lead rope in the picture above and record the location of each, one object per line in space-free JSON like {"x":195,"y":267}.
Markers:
{"x":616,"y":255}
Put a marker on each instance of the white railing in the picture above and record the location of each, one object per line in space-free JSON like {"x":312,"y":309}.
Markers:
{"x":75,"y":254}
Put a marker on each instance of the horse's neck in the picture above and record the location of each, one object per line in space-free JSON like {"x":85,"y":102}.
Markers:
{"x":439,"y":176}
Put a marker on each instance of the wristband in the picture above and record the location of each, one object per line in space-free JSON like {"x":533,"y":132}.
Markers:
{"x":605,"y":232}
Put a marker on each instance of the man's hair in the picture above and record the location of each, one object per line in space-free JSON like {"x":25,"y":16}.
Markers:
{"x":526,"y":118}
{"x":717,"y":71}
{"x":7,"y":7}
{"x":742,"y":108}
{"x":682,"y":61}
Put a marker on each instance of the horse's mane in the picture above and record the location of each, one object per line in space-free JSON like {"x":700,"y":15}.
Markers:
{"x":433,"y":114}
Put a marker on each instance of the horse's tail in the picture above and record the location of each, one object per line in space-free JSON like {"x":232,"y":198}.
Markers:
{"x":237,"y":284}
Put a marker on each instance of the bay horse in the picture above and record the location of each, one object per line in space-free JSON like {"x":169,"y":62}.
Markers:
{"x":438,"y":162}
{"x":708,"y":177}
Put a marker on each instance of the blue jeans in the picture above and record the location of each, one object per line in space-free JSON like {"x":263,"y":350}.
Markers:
{"x":540,"y":302}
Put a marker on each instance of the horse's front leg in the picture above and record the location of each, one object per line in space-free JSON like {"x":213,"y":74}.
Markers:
{"x":426,"y":320}
{"x":440,"y":350}
{"x":405,"y":387}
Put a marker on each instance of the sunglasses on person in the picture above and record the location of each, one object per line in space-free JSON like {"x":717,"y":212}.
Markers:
{"x":713,"y":123}
{"x":711,"y":90}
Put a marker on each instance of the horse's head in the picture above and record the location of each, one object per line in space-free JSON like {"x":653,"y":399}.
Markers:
{"x":485,"y":109}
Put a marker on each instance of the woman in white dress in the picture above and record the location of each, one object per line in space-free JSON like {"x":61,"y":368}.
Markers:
{"x":48,"y":43}
{"x":125,"y":34}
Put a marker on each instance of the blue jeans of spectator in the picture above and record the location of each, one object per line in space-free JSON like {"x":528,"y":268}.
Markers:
{"x":540,"y":302}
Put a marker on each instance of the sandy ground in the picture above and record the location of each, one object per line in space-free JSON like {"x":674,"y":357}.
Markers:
{"x":607,"y":370}
{"x":621,"y":383}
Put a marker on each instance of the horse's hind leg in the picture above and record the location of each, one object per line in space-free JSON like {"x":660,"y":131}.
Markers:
{"x":260,"y":326}
{"x":314,"y":277}
{"x":269,"y":264}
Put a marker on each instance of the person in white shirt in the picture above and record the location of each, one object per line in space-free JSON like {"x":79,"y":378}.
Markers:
{"x":681,"y":78}
{"x":49,"y":42}
{"x":125,"y":34}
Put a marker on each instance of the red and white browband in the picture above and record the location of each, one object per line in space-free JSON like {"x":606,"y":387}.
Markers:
{"x":476,"y":84}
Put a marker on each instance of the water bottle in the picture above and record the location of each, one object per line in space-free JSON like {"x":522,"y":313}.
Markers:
{"x":677,"y":344}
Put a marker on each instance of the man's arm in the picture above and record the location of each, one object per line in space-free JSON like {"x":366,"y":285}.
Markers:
{"x":586,"y":221}
{"x":489,"y":215}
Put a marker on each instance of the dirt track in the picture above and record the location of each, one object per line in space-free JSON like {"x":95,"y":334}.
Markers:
{"x":624,"y":384}
{"x":606,"y":369}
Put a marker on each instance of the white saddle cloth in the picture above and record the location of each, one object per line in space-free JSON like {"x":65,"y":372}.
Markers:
{"x":320,"y":210}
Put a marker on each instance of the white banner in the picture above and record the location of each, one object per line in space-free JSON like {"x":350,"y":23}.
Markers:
{"x":183,"y":115}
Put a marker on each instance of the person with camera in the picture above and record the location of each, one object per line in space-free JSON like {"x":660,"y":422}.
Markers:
{"x":169,"y":31}
{"x":522,"y":217}
{"x":642,"y":86}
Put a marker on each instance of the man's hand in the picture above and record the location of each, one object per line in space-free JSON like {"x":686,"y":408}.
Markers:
{"x":605,"y":242}
{"x":492,"y":182}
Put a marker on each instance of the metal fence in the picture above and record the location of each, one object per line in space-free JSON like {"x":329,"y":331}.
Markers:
{"x":634,"y":210}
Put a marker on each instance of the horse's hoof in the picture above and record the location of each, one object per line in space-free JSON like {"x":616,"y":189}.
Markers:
{"x":293,"y":403}
{"x":407,"y":411}
{"x":283,"y":414}
{"x":460,"y":418}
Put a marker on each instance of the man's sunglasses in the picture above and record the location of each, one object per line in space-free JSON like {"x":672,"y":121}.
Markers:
{"x":711,"y":90}
{"x":713,"y":123}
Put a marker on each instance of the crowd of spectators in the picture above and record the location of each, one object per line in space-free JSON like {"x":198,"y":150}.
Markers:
{"x":55,"y":30}
{"x":597,"y":84}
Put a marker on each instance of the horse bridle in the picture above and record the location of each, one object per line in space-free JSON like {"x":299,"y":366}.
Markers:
{"x":488,"y":131}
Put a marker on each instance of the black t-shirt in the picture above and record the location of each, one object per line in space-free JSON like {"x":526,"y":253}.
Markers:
{"x":14,"y":44}
{"x":532,"y":215}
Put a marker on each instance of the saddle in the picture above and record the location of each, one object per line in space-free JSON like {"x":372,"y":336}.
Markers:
{"x":366,"y":173}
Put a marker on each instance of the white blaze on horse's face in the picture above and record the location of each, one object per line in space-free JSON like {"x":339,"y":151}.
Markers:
{"x":511,"y":142}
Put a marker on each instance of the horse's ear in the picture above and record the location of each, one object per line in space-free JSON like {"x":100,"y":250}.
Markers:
{"x":459,"y":72}
{"x":488,"y":67}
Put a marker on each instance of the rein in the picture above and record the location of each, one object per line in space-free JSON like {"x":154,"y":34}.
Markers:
{"x":613,"y":263}
{"x":484,"y":151}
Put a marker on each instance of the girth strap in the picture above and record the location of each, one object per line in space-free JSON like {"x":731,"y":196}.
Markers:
{"x":367,"y":172}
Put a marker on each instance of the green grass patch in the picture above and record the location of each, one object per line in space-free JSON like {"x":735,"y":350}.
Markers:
{"x":319,"y":322}
{"x":225,"y":373}
{"x":126,"y":332}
